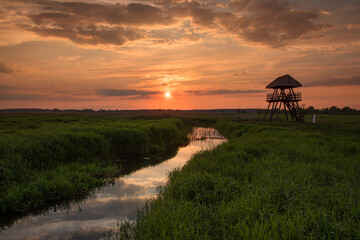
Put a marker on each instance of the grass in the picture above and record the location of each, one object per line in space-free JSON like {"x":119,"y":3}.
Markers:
{"x":269,"y":181}
{"x":45,"y":159}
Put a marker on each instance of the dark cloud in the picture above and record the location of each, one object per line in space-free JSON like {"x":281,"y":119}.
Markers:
{"x":223,"y":92}
{"x":126,"y":93}
{"x":170,"y":83}
{"x":269,"y":22}
{"x":15,"y":96}
{"x":4,"y":68}
{"x":131,"y":14}
{"x":200,"y":13}
{"x":355,"y":80}
{"x":94,"y":24}
{"x":90,"y":34}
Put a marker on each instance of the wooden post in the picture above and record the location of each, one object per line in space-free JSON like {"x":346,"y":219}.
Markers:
{"x":287,"y":119}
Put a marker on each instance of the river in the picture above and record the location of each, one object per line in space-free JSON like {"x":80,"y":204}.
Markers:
{"x":97,"y":215}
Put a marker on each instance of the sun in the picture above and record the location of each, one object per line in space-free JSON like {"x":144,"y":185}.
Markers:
{"x":167,"y":94}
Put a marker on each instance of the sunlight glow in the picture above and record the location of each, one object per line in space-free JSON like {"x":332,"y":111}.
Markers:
{"x":182,"y":54}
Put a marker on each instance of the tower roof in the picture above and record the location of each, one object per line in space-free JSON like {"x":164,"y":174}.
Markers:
{"x":285,"y":81}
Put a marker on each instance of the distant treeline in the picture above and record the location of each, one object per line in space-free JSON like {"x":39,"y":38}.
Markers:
{"x":305,"y":110}
{"x":56,"y":110}
{"x":331,"y":110}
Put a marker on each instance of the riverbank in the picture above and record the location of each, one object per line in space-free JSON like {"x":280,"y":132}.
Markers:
{"x":46,"y":159}
{"x":270,"y":181}
{"x":94,"y":217}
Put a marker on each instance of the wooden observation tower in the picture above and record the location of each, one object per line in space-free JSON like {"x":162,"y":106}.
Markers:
{"x":285,"y":96}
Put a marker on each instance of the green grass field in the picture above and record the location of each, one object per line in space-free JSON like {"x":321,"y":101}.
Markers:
{"x":45,"y":159}
{"x":269,"y":181}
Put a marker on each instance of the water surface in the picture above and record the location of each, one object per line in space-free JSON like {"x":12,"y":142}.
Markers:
{"x":94,"y":217}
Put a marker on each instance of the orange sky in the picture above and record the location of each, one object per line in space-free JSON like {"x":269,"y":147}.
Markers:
{"x":207,"y":54}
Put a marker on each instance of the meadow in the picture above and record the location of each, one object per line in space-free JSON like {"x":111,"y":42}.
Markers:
{"x":48,"y":158}
{"x":269,"y":181}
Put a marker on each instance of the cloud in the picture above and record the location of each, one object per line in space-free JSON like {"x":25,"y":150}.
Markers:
{"x":353,"y":26}
{"x":42,"y":97}
{"x":4,"y":68}
{"x":199,"y":12}
{"x":355,"y":80}
{"x":129,"y":14}
{"x":170,"y":83}
{"x":95,"y":24}
{"x":268,"y":22}
{"x":90,"y":34}
{"x":126,"y":93}
{"x":17,"y":93}
{"x":223,"y":92}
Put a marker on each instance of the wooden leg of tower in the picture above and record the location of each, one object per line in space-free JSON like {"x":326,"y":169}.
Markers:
{"x":267,"y":111}
{"x":273,"y":110}
{"x":277,"y":117}
{"x":301,"y":117}
{"x":291,"y":111}
{"x":297,"y":112}
{"x":287,"y":119}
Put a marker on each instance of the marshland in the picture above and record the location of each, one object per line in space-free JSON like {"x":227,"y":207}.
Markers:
{"x":179,"y":119}
{"x":278,"y":180}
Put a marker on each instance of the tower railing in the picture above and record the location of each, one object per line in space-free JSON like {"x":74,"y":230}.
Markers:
{"x":294,"y":97}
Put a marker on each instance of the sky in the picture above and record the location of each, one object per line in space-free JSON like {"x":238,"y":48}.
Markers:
{"x":175,"y":54}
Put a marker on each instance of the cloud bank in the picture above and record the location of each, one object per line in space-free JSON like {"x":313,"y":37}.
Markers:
{"x":223,"y":92}
{"x":268,"y":22}
{"x":126,"y":93}
{"x":355,"y":80}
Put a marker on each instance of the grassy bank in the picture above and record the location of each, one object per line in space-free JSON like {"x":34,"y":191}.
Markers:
{"x":270,"y":181}
{"x":45,"y":159}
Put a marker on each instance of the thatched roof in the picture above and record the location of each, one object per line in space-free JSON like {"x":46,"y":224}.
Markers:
{"x":285,"y":81}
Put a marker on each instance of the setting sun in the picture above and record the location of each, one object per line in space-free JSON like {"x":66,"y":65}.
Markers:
{"x":143,"y":51}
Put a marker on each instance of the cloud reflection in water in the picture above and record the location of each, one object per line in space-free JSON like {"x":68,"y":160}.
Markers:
{"x":92,"y":218}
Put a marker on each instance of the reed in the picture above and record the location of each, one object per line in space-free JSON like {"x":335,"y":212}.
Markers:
{"x":48,"y":158}
{"x":269,"y":181}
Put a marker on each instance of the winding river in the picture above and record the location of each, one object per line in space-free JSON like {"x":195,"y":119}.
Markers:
{"x":95,"y":216}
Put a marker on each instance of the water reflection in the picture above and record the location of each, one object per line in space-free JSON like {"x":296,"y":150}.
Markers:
{"x":94,"y":217}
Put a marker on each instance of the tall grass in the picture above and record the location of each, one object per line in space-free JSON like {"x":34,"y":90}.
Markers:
{"x":48,"y":158}
{"x":270,"y":181}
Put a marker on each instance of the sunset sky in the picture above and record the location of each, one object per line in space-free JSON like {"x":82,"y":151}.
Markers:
{"x":204,"y":54}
